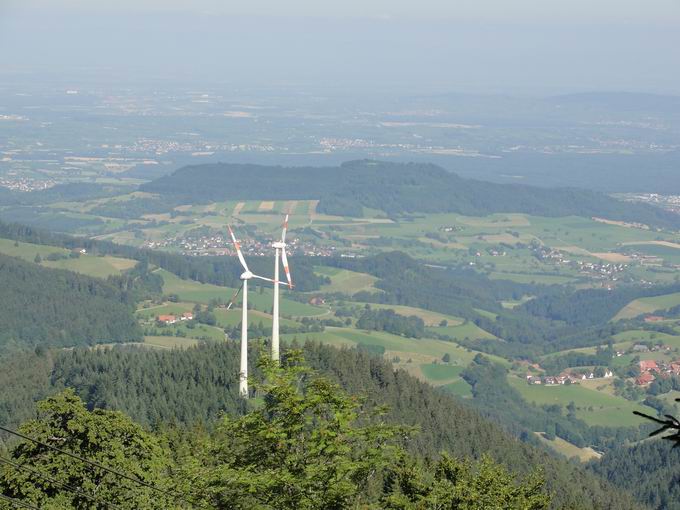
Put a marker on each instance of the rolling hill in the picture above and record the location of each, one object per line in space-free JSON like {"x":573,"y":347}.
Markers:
{"x":394,"y":188}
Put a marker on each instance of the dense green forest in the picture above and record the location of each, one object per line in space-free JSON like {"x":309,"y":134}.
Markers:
{"x":653,"y":467}
{"x":192,"y":387}
{"x":395,"y":188}
{"x":60,"y":308}
{"x":308,"y":445}
{"x":392,"y":322}
{"x":589,"y":307}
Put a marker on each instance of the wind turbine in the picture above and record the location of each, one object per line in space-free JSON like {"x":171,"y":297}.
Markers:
{"x":245,"y":276}
{"x":280,"y":249}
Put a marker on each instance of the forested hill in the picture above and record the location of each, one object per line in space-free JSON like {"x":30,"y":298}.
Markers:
{"x":395,"y":188}
{"x":653,"y":465}
{"x":185,"y":387}
{"x":60,"y":308}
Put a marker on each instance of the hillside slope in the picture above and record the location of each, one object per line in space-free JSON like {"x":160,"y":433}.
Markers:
{"x":196,"y":385}
{"x":394,"y":188}
{"x":60,"y":308}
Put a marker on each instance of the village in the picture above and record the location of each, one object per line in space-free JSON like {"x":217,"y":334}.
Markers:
{"x":220,"y":245}
{"x":646,"y":370}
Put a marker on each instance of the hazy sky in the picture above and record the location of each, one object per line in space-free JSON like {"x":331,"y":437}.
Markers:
{"x":514,"y":46}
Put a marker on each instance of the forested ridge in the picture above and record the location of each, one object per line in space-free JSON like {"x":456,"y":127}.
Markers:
{"x":192,"y":387}
{"x":60,"y":308}
{"x":588,"y":307}
{"x":395,"y":188}
{"x":653,"y":466}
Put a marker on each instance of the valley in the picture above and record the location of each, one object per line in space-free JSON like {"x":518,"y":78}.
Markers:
{"x":504,"y":292}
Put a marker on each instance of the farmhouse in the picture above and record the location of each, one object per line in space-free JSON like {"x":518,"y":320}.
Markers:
{"x":187,"y":316}
{"x":167,"y":319}
{"x":647,"y":365}
{"x":644,"y":379}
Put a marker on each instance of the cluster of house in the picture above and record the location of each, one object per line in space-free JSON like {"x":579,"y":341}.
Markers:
{"x":172,"y":319}
{"x":650,"y":367}
{"x":638,"y":348}
{"x":450,"y":228}
{"x":572,"y":378}
{"x":605,"y":270}
{"x":220,"y":245}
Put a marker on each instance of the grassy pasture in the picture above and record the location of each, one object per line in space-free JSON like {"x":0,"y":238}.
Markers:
{"x":607,"y":410}
{"x":416,"y":356}
{"x":28,"y":251}
{"x":547,"y":279}
{"x":90,"y":265}
{"x":440,"y":372}
{"x":164,"y":309}
{"x":422,"y":350}
{"x":669,"y":251}
{"x":170,"y":342}
{"x":648,"y":305}
{"x":345,"y":281}
{"x":196,"y":292}
{"x":462,"y":331}
{"x":99,"y":267}
{"x":199,"y":331}
{"x":568,"y":449}
{"x":429,"y":317}
{"x":459,"y":388}
{"x":233,"y":317}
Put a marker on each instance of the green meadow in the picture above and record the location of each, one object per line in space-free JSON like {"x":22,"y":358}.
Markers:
{"x":594,"y":407}
{"x":648,"y":305}
{"x":196,"y":292}
{"x":91,"y":265}
{"x":345,"y":281}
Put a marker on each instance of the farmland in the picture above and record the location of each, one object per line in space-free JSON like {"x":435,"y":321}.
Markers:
{"x":345,"y":281}
{"x":501,"y":245}
{"x":196,"y":292}
{"x":592,"y":406}
{"x":91,"y":265}
{"x":648,"y":305}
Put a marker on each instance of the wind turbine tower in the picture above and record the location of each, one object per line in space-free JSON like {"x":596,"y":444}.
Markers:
{"x":280,"y":250}
{"x":245,"y":277}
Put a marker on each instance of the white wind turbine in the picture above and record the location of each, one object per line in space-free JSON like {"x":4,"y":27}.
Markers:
{"x":280,"y":249}
{"x":245,"y":276}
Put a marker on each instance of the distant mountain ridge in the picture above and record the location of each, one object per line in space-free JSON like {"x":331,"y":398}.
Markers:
{"x":396,"y":188}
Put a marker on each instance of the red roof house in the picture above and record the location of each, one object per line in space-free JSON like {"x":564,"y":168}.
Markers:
{"x":167,"y":319}
{"x":648,"y":364}
{"x":645,"y":378}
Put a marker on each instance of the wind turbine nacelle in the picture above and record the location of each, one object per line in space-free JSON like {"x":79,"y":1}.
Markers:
{"x":278,"y":245}
{"x":246,"y":275}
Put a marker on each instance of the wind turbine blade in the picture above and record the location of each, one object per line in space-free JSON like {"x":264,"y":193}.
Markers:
{"x":284,"y":259}
{"x":238,"y":249}
{"x":266,"y":279}
{"x":233,"y":298}
{"x":285,"y":229}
